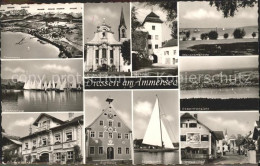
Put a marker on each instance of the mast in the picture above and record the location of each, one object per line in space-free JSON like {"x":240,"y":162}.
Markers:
{"x":160,"y":120}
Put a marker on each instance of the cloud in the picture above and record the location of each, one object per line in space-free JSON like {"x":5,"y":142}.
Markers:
{"x":21,"y":123}
{"x":227,"y":123}
{"x":96,"y":14}
{"x":247,"y":15}
{"x":54,"y":67}
{"x":201,"y":14}
{"x":15,"y":70}
{"x":143,"y":108}
{"x":93,"y":102}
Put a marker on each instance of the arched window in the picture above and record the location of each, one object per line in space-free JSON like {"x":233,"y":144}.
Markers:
{"x":123,"y":33}
{"x":104,"y":34}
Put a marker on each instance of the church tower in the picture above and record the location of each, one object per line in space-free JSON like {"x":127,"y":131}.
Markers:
{"x":122,"y":28}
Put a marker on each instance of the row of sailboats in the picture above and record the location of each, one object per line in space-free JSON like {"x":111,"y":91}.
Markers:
{"x":58,"y":86}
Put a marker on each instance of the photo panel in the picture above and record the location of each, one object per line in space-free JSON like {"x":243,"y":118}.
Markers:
{"x":216,"y":28}
{"x":42,"y":85}
{"x":41,"y":31}
{"x":228,"y":83}
{"x":219,"y":138}
{"x":156,"y":127}
{"x":107,"y":39}
{"x":155,"y":48}
{"x":108,"y":125}
{"x":42,"y":138}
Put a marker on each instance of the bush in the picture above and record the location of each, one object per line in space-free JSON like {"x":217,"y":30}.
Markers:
{"x":204,"y":36}
{"x":140,"y":61}
{"x":253,"y":34}
{"x":239,"y":33}
{"x":193,"y":38}
{"x":226,"y":35}
{"x":187,"y":34}
{"x":213,"y":35}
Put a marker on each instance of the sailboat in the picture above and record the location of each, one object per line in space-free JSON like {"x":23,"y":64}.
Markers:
{"x":27,"y":85}
{"x":58,"y":86}
{"x":49,"y":86}
{"x":156,"y":134}
{"x":74,"y":84}
{"x":45,"y":86}
{"x":53,"y":85}
{"x":33,"y":85}
{"x":39,"y":86}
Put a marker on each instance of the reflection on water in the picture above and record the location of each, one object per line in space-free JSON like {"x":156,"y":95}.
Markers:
{"x":164,"y":158}
{"x":36,"y":101}
{"x":223,"y":93}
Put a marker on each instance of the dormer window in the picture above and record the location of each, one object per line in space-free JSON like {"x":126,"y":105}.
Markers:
{"x":153,"y":27}
{"x":104,"y":34}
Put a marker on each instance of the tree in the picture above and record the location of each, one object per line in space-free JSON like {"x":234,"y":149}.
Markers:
{"x":126,"y":51}
{"x":174,"y":30}
{"x":134,"y":21}
{"x":213,"y":35}
{"x":78,"y":157}
{"x":253,"y":34}
{"x":239,"y":33}
{"x":204,"y":36}
{"x":229,"y":7}
{"x":226,"y":35}
{"x":187,"y":34}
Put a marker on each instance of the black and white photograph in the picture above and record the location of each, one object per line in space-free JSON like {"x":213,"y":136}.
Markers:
{"x":218,"y":28}
{"x":108,"y":123}
{"x":107,"y":39}
{"x":42,"y":85}
{"x":40,"y":31}
{"x":219,"y":83}
{"x":155,"y":48}
{"x":156,"y":127}
{"x":219,"y":138}
{"x":40,"y":138}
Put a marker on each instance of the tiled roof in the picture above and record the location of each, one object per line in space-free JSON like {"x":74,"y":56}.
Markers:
{"x":152,"y":17}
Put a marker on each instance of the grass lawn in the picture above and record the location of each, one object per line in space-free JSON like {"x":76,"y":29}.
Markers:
{"x":219,"y":47}
{"x":157,"y":70}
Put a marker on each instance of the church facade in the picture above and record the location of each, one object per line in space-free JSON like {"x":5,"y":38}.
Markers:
{"x":108,"y":137}
{"x":103,"y":53}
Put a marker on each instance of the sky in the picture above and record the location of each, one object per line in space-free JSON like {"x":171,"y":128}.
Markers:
{"x":94,"y":14}
{"x":18,"y":124}
{"x":202,"y":15}
{"x":41,"y":69}
{"x":142,"y":10}
{"x":143,"y":103}
{"x":234,"y":122}
{"x":33,"y":8}
{"x":95,"y":102}
{"x":214,"y":63}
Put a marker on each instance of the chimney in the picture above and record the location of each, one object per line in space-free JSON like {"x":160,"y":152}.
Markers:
{"x":196,"y":116}
{"x":71,"y":116}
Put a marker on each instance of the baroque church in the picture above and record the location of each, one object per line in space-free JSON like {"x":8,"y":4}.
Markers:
{"x":103,"y":53}
{"x":108,"y":137}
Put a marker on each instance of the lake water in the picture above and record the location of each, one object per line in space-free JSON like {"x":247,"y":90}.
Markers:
{"x":223,"y":93}
{"x":164,"y":158}
{"x":28,"y":48}
{"x":38,"y":101}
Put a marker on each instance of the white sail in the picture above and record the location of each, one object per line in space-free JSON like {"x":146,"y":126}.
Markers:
{"x":39,"y":85}
{"x":58,"y":84}
{"x":53,"y":84}
{"x":74,"y":83}
{"x":45,"y":86}
{"x":26,"y":85}
{"x":156,"y":132}
{"x":49,"y":85}
{"x":63,"y":85}
{"x":33,"y":85}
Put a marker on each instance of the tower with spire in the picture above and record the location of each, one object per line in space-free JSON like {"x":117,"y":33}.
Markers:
{"x":122,"y":28}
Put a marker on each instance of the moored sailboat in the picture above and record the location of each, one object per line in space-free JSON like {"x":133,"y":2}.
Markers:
{"x":156,"y":135}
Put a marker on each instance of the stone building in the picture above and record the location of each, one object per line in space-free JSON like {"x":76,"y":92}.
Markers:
{"x":103,"y":52}
{"x":108,"y":137}
{"x":197,"y":140}
{"x":54,"y":141}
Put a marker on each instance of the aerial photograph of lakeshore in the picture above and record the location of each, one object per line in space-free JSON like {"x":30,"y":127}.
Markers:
{"x":218,"y":28}
{"x":41,"y":31}
{"x":42,"y":86}
{"x":219,"y":83}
